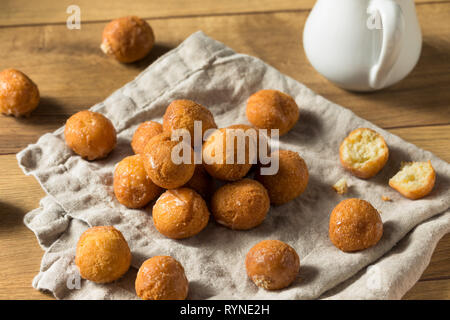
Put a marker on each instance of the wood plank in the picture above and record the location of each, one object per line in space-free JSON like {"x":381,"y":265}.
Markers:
{"x":20,"y":12}
{"x":439,"y":267}
{"x":21,"y":258}
{"x":20,"y":254}
{"x":68,"y":64}
{"x":435,"y":139}
{"x":430,"y":290}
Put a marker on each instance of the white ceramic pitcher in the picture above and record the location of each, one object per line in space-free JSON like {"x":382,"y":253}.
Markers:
{"x":363,"y":45}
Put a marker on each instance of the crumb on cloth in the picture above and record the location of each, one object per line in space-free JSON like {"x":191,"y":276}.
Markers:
{"x":341,"y":186}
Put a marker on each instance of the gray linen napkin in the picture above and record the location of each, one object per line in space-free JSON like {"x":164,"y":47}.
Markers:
{"x":80,"y":192}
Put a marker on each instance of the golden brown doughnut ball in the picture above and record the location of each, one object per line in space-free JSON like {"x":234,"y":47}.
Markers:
{"x":364,"y":153}
{"x":127,"y":39}
{"x":161,"y":278}
{"x":143,"y":134}
{"x":289,"y":182}
{"x":415,"y":180}
{"x":19,"y":96}
{"x":355,"y":225}
{"x":272,"y":109}
{"x":272,"y":264}
{"x":216,"y":155}
{"x":90,"y":134}
{"x":201,"y":182}
{"x":180,"y":213}
{"x":102,"y":254}
{"x":181,"y":114}
{"x":159,"y":165}
{"x":132,"y":186}
{"x":240,"y":205}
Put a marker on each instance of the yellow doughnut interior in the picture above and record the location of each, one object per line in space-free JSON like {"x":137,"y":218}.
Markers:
{"x":363,"y":146}
{"x":413,"y":175}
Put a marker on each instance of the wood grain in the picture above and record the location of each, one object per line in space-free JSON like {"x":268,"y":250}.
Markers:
{"x":73,"y":74}
{"x":24,"y":12}
{"x":430,"y":290}
{"x":439,"y":267}
{"x":433,"y":138}
{"x":20,"y":254}
{"x":20,"y":12}
{"x":67,"y":64}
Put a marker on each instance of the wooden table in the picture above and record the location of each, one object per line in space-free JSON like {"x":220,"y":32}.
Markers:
{"x":73,"y":74}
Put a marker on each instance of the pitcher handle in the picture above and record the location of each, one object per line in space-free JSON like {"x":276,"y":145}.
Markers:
{"x":393,"y":26}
